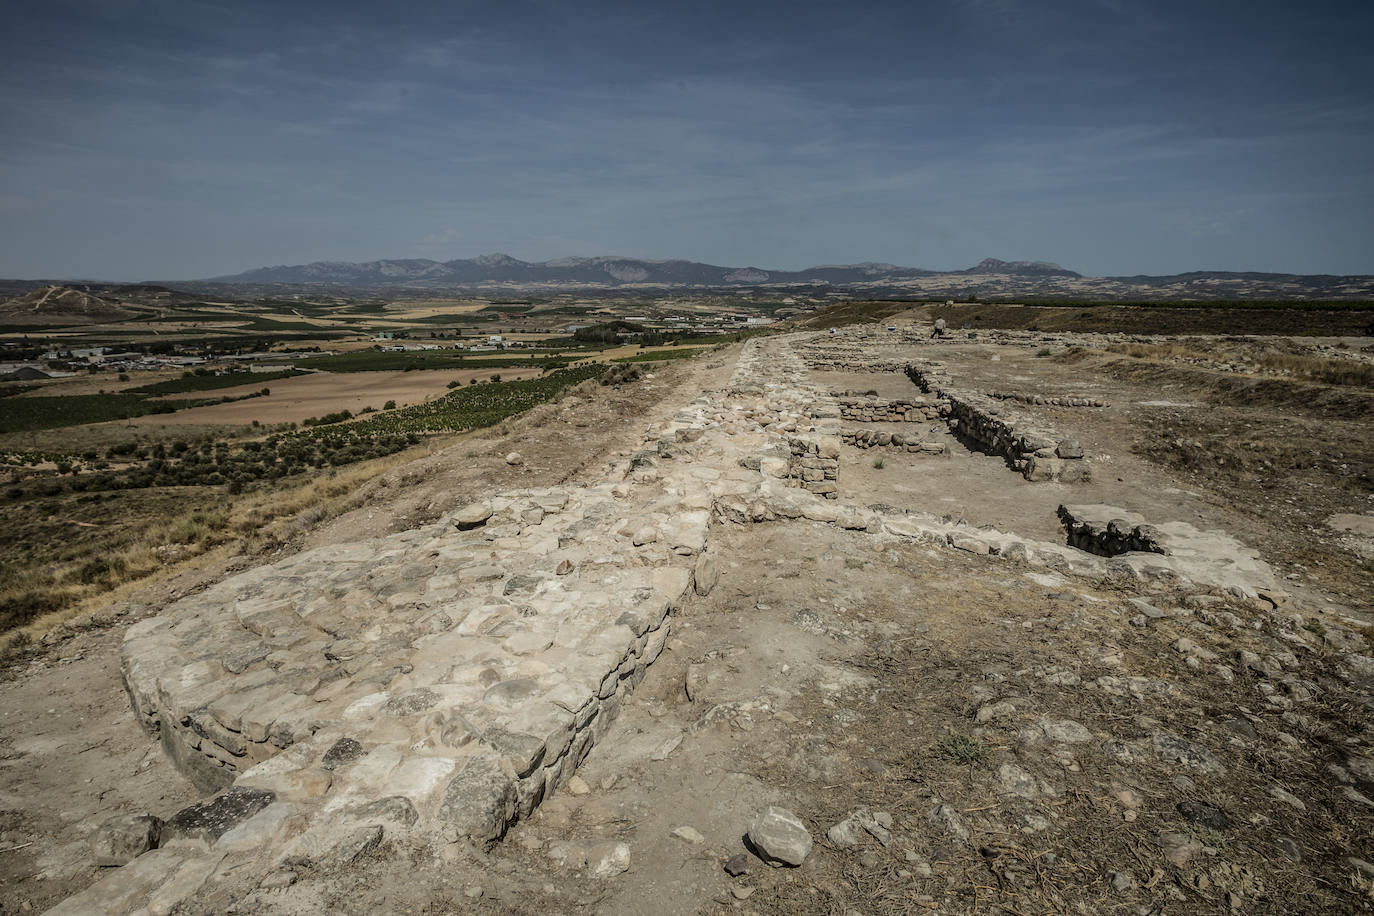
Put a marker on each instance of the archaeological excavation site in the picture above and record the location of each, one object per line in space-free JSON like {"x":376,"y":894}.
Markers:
{"x":835,"y":620}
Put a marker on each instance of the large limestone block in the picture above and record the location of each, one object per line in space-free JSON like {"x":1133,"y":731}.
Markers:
{"x":480,"y":801}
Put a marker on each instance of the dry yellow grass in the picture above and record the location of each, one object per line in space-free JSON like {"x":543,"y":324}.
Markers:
{"x":253,"y":521}
{"x":1323,"y":369}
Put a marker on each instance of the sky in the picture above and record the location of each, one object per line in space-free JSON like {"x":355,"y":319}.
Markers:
{"x":181,"y":139}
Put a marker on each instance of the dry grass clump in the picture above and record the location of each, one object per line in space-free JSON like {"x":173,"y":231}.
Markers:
{"x":1299,"y":365}
{"x":1328,"y":371}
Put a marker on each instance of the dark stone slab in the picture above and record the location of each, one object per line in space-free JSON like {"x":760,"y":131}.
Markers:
{"x":344,"y":751}
{"x":211,"y":819}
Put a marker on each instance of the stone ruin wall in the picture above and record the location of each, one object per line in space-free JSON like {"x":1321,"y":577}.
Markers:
{"x":447,"y":679}
{"x":872,"y":409}
{"x":1040,"y":400}
{"x":814,"y":464}
{"x":1038,"y":453}
{"x":911,"y":443}
{"x":1109,"y":535}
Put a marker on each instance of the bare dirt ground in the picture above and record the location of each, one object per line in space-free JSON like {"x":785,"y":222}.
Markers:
{"x":70,"y":757}
{"x":1034,"y":743}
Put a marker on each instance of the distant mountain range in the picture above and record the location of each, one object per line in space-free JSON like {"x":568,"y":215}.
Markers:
{"x":600,"y":271}
{"x":502,"y":275}
{"x":620,"y":276}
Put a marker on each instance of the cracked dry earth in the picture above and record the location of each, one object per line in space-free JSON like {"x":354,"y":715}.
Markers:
{"x":580,"y":698}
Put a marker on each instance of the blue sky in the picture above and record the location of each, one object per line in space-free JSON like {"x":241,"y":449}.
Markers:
{"x":144,"y":139}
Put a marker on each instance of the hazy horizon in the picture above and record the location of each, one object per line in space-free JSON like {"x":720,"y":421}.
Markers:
{"x":152,"y":140}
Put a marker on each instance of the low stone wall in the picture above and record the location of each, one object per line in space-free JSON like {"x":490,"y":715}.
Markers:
{"x":1107,"y":534}
{"x":512,"y":638}
{"x":867,"y":409}
{"x":814,"y":464}
{"x":1192,"y":553}
{"x":1038,"y":400}
{"x":1038,"y":453}
{"x":908,"y":442}
{"x":819,"y":360}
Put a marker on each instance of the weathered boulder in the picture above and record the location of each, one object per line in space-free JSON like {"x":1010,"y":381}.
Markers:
{"x":473,"y":516}
{"x":480,"y":801}
{"x":124,"y":837}
{"x":779,"y":837}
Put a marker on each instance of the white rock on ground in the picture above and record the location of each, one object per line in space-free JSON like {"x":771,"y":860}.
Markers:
{"x":780,"y":837}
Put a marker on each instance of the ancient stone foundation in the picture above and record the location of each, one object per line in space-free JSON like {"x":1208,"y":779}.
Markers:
{"x":1039,"y":400}
{"x":911,"y":442}
{"x":442,"y":682}
{"x":1038,"y":453}
{"x":869,"y":409}
{"x":1089,"y":528}
{"x":814,"y":464}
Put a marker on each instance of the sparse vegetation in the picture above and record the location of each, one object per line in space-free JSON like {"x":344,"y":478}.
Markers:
{"x":650,"y":356}
{"x":1259,"y":360}
{"x":209,"y":381}
{"x":962,"y":749}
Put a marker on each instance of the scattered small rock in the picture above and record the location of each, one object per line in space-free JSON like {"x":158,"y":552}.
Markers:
{"x":357,"y":844}
{"x":851,"y":830}
{"x":1289,"y":848}
{"x":737,"y":865}
{"x":689,"y":834}
{"x":1204,"y":814}
{"x":608,"y":860}
{"x":948,"y":817}
{"x":1287,"y":798}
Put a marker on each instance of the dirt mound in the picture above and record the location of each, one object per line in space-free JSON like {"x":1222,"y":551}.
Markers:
{"x":61,"y":305}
